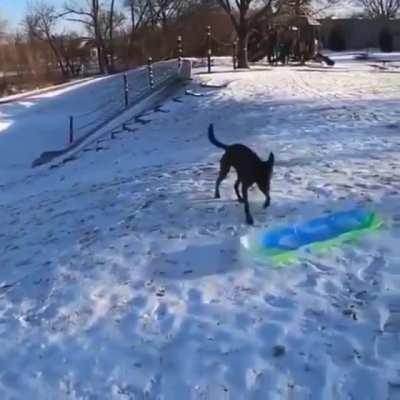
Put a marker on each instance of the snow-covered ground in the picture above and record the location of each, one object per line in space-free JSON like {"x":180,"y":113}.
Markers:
{"x":122,"y":278}
{"x":372,"y":54}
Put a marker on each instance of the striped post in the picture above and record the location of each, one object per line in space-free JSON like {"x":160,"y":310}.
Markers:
{"x":234,"y":54}
{"x":180,"y":51}
{"x":150,"y":72}
{"x":209,"y":51}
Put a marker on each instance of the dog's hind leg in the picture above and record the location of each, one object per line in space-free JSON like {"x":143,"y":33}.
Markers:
{"x":249,"y":218}
{"x":267,"y":200}
{"x":240,"y":198}
{"x":224,"y":170}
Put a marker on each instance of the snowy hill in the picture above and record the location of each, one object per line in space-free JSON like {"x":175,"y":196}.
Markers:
{"x":39,"y":122}
{"x":122,"y":278}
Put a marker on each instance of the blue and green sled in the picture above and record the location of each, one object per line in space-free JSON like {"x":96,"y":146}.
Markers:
{"x":283,"y":245}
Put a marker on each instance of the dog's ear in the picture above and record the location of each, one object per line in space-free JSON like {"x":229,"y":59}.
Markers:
{"x":271,"y":159}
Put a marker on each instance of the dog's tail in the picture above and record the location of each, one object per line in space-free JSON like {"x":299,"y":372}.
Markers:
{"x":213,"y":139}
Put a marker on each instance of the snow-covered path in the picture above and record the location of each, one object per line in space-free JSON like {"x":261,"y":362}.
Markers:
{"x":122,"y":278}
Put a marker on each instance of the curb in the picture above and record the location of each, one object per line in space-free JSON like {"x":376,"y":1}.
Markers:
{"x":24,"y":95}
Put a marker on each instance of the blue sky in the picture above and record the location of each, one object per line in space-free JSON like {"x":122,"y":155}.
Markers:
{"x":13,"y":10}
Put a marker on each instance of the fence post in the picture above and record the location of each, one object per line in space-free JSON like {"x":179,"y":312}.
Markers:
{"x":180,"y":51}
{"x":209,"y":48}
{"x":150,"y":72}
{"x":234,"y":50}
{"x":126,"y":90}
{"x":71,"y":129}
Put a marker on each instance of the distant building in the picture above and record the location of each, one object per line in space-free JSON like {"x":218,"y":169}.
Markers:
{"x":360,"y":33}
{"x":3,"y":39}
{"x":88,"y":45}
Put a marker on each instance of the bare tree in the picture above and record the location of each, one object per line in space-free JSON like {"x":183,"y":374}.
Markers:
{"x":168,"y":10}
{"x":112,"y":21}
{"x":73,"y":52}
{"x":89,"y":14}
{"x":156,"y":20}
{"x":40,"y":23}
{"x":139,"y":13}
{"x":380,"y":8}
{"x":101,"y":19}
{"x":157,"y":12}
{"x":111,"y":34}
{"x":3,"y":25}
{"x":244,"y":15}
{"x":139,"y":10}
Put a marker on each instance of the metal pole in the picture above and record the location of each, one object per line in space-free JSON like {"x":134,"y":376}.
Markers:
{"x":150,"y":71}
{"x":126,"y":90}
{"x":180,"y":50}
{"x":71,"y":129}
{"x":209,"y":52}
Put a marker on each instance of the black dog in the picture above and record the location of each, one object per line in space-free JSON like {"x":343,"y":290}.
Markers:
{"x":250,"y":169}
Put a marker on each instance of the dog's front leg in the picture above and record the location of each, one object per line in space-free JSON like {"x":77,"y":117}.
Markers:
{"x":265,"y":191}
{"x":216,"y":192}
{"x":249,"y":218}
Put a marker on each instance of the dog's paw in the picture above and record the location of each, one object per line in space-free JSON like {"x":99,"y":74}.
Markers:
{"x":240,"y":201}
{"x":267,"y":204}
{"x":250,"y":221}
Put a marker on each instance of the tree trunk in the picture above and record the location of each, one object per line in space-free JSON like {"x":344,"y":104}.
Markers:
{"x":111,"y":38}
{"x":100,"y":57}
{"x":242,"y":56}
{"x":164,"y":21}
{"x":243,"y":35}
{"x":133,"y":23}
{"x":97,"y":35}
